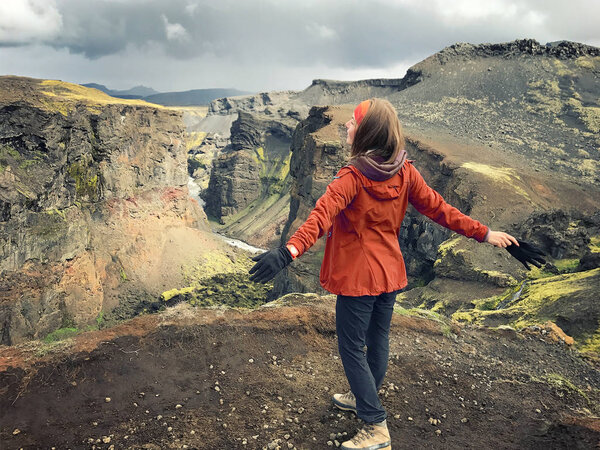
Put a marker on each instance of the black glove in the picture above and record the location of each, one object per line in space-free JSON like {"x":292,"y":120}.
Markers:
{"x":527,"y":253}
{"x":270,"y":264}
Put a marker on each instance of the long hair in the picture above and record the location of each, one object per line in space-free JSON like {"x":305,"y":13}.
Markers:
{"x":379,"y":133}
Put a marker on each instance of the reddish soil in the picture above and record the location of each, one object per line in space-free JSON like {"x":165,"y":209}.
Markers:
{"x":275,"y":370}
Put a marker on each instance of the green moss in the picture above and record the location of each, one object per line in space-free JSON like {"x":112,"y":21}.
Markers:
{"x":561,"y":68}
{"x":588,"y":62}
{"x":195,"y":139}
{"x":60,"y":334}
{"x":86,"y":179}
{"x":447,"y":245}
{"x":590,"y":115}
{"x":170,"y":294}
{"x":444,"y":322}
{"x":260,"y":153}
{"x":595,"y":244}
{"x":561,"y":383}
{"x":567,"y":265}
{"x":499,"y":174}
{"x":63,"y":97}
{"x":537,"y":296}
{"x":225,"y":289}
{"x":59,"y":212}
{"x":591,"y":343}
{"x":123,"y":274}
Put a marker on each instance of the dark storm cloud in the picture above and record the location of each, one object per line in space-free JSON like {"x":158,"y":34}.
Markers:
{"x":342,"y":33}
{"x":263,"y":44}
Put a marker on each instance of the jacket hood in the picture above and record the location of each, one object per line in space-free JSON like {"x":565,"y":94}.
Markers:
{"x":374,"y":168}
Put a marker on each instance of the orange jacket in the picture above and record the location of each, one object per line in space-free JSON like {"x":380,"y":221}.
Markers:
{"x":362,"y":218}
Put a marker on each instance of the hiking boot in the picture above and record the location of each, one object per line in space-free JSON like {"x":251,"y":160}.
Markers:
{"x":370,"y":437}
{"x":345,"y":402}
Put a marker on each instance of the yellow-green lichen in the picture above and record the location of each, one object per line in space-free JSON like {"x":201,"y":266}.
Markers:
{"x":561,"y":383}
{"x":260,"y":153}
{"x":537,"y":296}
{"x":63,"y":97}
{"x":61,"y":334}
{"x":195,"y":139}
{"x":544,"y":97}
{"x":560,"y":68}
{"x":566,"y":265}
{"x":498,"y":174}
{"x":444,"y":322}
{"x":168,"y":295}
{"x":595,"y":244}
{"x":447,"y":245}
{"x":588,"y":62}
{"x":59,"y":212}
{"x":86,"y":179}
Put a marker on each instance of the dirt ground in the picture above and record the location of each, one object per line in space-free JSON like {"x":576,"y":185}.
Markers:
{"x":215,"y":379}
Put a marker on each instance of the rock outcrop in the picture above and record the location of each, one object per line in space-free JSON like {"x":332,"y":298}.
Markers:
{"x":94,"y":205}
{"x":248,"y":191}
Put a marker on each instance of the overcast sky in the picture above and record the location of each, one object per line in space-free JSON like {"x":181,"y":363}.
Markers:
{"x":261,"y":45}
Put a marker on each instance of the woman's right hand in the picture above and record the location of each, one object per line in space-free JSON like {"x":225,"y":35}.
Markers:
{"x":501,"y":239}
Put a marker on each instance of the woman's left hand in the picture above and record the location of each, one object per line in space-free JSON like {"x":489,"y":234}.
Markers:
{"x":501,"y":239}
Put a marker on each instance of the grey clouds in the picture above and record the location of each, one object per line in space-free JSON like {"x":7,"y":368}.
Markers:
{"x":262,"y":44}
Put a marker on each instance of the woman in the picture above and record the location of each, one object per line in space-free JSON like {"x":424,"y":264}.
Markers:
{"x":361,"y":212}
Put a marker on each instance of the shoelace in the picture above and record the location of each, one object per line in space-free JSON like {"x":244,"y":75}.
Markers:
{"x":364,"y":433}
{"x":348,"y":396}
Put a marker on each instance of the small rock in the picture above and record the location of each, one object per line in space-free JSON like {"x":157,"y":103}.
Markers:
{"x":193,"y":432}
{"x":106,"y":439}
{"x":337,"y":443}
{"x":464,"y":420}
{"x":16,"y":431}
{"x":410,"y":419}
{"x":177,"y":406}
{"x":217,"y":388}
{"x":396,"y":416}
{"x":538,"y":411}
{"x":438,"y":432}
{"x":170,"y":429}
{"x":107,"y":399}
{"x":330,"y":443}
{"x":251,"y":360}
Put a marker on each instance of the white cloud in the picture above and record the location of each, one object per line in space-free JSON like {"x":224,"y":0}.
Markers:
{"x":27,"y":21}
{"x":321,"y":31}
{"x":175,"y":31}
{"x":190,"y":8}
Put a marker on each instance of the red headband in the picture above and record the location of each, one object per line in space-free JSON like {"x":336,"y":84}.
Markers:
{"x":361,"y":111}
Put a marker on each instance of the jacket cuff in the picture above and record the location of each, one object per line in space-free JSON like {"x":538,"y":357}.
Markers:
{"x":486,"y":235}
{"x":293,"y":250}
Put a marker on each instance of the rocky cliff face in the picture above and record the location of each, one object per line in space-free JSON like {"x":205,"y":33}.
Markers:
{"x":94,"y":205}
{"x":498,"y":198}
{"x":317,"y":155}
{"x":249,"y":184}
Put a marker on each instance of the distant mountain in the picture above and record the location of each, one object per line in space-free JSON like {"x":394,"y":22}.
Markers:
{"x":195,"y":97}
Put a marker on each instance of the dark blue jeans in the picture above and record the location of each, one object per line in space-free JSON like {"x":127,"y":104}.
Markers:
{"x":364,"y":321}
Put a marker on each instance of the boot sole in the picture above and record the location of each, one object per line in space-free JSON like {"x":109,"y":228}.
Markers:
{"x":343,"y":406}
{"x":387,"y":446}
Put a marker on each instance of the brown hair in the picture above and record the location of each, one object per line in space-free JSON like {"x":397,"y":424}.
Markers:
{"x":379,"y":133}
